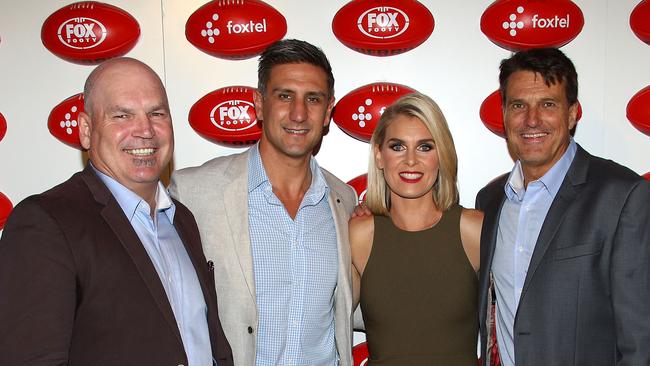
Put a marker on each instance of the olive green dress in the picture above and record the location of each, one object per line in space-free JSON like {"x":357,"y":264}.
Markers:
{"x":419,"y":296}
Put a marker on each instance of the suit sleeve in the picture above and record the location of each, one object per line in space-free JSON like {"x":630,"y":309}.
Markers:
{"x":478,"y":204}
{"x":630,"y":277}
{"x":483,"y":196}
{"x":37,"y":289}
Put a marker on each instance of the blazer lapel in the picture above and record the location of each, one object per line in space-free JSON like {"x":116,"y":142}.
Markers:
{"x":570,"y":188}
{"x":492,"y":227}
{"x":117,"y":221}
{"x":192,"y":245}
{"x":235,"y":200}
{"x":489,"y":232}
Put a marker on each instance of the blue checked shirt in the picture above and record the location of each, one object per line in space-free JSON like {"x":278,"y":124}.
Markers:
{"x":173,"y":265}
{"x":295,"y":263}
{"x":522,"y":216}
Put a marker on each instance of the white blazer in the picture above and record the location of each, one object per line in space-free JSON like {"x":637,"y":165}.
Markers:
{"x":217,"y":194}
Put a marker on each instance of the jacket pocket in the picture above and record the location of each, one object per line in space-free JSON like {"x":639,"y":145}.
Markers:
{"x":579,"y":250}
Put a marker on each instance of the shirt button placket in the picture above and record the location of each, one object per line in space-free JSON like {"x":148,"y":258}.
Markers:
{"x":295,"y":303}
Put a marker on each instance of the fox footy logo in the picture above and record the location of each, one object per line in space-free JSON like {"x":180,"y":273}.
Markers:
{"x":383,"y":22}
{"x":233,"y":115}
{"x":383,"y":27}
{"x":81,"y":33}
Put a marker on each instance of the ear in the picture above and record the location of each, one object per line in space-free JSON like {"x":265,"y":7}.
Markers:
{"x":378,"y":158}
{"x":258,"y":100}
{"x":573,"y":115}
{"x":84,"y":130}
{"x":504,"y":122}
{"x":328,"y":113}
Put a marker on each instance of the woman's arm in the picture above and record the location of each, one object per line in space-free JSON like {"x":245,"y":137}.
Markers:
{"x":471,"y":222}
{"x":361,"y":231}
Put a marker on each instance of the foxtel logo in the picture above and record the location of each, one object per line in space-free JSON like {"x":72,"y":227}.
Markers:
{"x":555,"y":22}
{"x":81,"y":33}
{"x":250,"y":27}
{"x":536,"y":20}
{"x":211,"y":31}
{"x":233,"y":115}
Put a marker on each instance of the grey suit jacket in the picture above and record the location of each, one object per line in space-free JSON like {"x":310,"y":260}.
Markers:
{"x":586,"y":296}
{"x":217,"y":193}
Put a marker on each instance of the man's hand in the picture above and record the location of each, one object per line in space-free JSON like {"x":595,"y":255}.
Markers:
{"x":361,"y":210}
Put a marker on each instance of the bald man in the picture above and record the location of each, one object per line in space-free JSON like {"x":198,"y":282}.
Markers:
{"x":106,"y":268}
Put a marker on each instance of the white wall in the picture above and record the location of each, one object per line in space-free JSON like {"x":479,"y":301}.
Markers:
{"x":457,"y":66}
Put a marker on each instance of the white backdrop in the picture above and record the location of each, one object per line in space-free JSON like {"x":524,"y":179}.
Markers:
{"x":457,"y":66}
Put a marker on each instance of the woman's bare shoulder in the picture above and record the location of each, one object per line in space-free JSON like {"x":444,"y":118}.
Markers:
{"x":471,"y":222}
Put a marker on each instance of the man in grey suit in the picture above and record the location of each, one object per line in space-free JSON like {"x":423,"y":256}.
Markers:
{"x":275,"y":224}
{"x":565,"y":247}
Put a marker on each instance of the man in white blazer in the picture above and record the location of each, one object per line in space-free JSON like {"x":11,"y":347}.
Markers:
{"x":275,"y":224}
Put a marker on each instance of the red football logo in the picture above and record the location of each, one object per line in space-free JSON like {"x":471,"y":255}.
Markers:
{"x":383,"y":27}
{"x":640,"y":21}
{"x":358,"y":111}
{"x":89,"y":32}
{"x":63,"y":121}
{"x":227,"y":116}
{"x":5,"y":209}
{"x":236,"y":29}
{"x":638,"y":110}
{"x":521,"y":24}
{"x":360,"y":184}
{"x":646,"y":175}
{"x":3,"y":126}
{"x":491,"y":114}
{"x":360,"y":354}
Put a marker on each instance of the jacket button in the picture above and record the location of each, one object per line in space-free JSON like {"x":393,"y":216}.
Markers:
{"x":250,"y":330}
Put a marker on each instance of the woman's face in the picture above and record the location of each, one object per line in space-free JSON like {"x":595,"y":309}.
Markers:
{"x":409,"y":158}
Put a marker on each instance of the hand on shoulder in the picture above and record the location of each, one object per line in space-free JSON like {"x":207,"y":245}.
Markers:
{"x":361,"y":210}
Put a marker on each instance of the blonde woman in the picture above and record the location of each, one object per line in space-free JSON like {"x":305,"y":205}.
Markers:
{"x":417,"y":255}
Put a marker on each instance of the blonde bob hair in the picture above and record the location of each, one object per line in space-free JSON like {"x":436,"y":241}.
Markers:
{"x":420,"y":106}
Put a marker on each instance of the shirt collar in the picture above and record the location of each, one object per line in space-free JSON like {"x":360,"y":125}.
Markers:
{"x":130,"y":202}
{"x":552,"y":180}
{"x":257,"y":176}
{"x":256,"y":173}
{"x":515,"y":184}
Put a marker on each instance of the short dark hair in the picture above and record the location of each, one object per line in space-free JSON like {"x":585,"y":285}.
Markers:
{"x":292,"y":51}
{"x":552,"y":64}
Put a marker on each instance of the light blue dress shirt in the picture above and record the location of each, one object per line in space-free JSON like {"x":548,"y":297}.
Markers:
{"x":295,"y":264}
{"x":522,"y":216}
{"x":168,"y":255}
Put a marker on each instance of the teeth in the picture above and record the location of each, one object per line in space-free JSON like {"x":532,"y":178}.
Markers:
{"x":410,"y":175}
{"x":140,"y":152}
{"x":533,"y":135}
{"x":296,"y":132}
